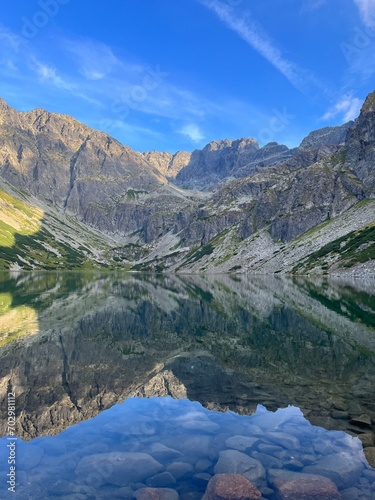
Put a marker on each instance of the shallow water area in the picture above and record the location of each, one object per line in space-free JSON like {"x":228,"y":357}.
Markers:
{"x":164,"y":443}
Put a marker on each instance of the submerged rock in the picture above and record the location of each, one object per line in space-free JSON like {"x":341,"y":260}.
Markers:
{"x":284,"y":439}
{"x":370,"y":455}
{"x":235,"y":462}
{"x":161,"y":452}
{"x":241,"y":443}
{"x":342,"y":468}
{"x":162,"y":480}
{"x":367,"y":439}
{"x":296,"y":486}
{"x":156,"y":494}
{"x":231,"y":487}
{"x":180,"y":469}
{"x":363,"y":420}
{"x":118,"y":468}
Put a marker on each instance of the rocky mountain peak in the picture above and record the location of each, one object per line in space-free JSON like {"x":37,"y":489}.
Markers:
{"x":246,"y":142}
{"x":326,"y":136}
{"x":168,"y":164}
{"x":218,"y":145}
{"x":3,"y":103}
{"x":369,"y":104}
{"x":243,"y":143}
{"x":274,"y":146}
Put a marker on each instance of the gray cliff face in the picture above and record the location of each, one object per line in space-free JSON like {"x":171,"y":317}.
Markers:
{"x":360,"y":144}
{"x":270,"y":154}
{"x":83,"y":172}
{"x":285,"y":199}
{"x":326,"y":136}
{"x":216,"y":161}
{"x":167,"y":163}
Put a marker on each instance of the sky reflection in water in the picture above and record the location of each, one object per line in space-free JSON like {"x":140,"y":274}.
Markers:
{"x":161,"y":442}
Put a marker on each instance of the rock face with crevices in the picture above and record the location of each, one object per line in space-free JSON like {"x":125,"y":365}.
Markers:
{"x":326,"y":136}
{"x":360,"y":145}
{"x":260,"y":200}
{"x":167,"y":163}
{"x":85,"y":173}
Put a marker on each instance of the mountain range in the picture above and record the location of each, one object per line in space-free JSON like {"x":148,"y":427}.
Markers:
{"x":74,"y":197}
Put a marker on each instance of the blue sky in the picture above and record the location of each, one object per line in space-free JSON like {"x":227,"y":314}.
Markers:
{"x":173,"y":75}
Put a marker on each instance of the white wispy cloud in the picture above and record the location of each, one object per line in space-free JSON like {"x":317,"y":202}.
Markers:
{"x":49,"y":74}
{"x":193,"y":132}
{"x":125,"y":96}
{"x":131,"y":131}
{"x":11,"y":47}
{"x":251,"y":31}
{"x":310,"y":5}
{"x":95,"y":60}
{"x":348,"y":108}
{"x":10,"y":39}
{"x":367,"y":12}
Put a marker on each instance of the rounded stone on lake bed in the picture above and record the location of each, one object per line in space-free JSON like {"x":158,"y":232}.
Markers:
{"x":351,"y":493}
{"x":118,"y":468}
{"x":126,"y":493}
{"x":191,"y":495}
{"x":293,"y":465}
{"x":370,"y":456}
{"x":367,"y":439}
{"x":241,"y":443}
{"x":362,"y":420}
{"x":268,"y":461}
{"x":308,"y":459}
{"x":161,"y":452}
{"x":270,"y":449}
{"x":162,"y":480}
{"x":266,"y":492}
{"x":339,"y":415}
{"x":284,"y":439}
{"x":180,"y":469}
{"x":201,"y":479}
{"x":344,"y":468}
{"x":156,"y":494}
{"x":297,"y":486}
{"x":235,"y":462}
{"x":231,"y":487}
{"x":203,"y":465}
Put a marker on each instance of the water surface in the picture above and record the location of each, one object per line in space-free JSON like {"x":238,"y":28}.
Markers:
{"x":289,"y":364}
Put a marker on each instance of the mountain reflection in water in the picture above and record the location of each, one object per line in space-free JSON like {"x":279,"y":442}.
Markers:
{"x":227,"y":342}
